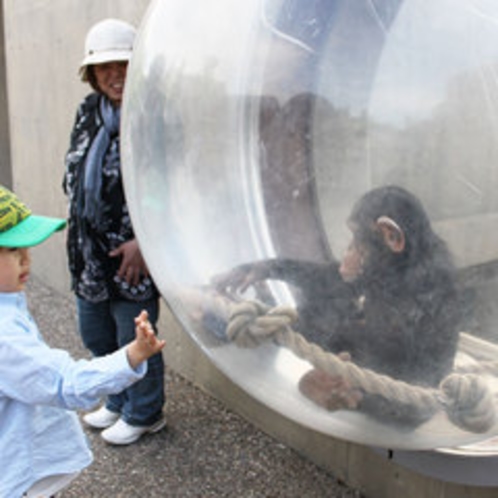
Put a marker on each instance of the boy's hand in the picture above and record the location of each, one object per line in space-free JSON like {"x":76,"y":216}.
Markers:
{"x":146,"y":343}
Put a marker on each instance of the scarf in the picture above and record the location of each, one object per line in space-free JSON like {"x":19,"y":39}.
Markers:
{"x":90,"y":191}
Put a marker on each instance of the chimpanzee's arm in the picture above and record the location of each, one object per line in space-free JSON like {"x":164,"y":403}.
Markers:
{"x":303,"y":274}
{"x":311,"y":277}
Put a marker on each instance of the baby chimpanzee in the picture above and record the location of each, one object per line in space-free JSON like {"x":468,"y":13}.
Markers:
{"x":392,"y":303}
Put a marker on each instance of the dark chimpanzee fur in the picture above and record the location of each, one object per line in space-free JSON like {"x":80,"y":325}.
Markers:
{"x":411,"y":306}
{"x":400,"y":316}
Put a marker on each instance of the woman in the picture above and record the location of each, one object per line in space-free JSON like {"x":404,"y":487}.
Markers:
{"x":109,"y":276}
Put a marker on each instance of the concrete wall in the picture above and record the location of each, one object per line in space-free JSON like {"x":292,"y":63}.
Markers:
{"x":43,"y":49}
{"x":44,"y":46}
{"x":5,"y":166}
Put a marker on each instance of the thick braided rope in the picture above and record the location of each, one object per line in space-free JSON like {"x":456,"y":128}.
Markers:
{"x":466,"y":399}
{"x":484,"y":367}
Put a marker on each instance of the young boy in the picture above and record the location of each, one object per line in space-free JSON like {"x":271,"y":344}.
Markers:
{"x":43,"y":446}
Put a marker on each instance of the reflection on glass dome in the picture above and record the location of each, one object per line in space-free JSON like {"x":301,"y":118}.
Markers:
{"x":313,"y":184}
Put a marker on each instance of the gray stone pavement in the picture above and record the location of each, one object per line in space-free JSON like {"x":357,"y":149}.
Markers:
{"x":205,"y":451}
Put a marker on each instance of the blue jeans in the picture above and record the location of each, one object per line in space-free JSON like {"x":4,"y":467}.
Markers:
{"x":107,"y":326}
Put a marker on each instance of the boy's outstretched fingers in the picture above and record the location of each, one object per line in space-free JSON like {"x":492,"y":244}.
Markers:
{"x":145,"y":332}
{"x":146,"y":343}
{"x":142,"y":319}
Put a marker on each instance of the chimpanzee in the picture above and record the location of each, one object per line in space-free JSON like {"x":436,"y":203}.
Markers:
{"x":392,"y":303}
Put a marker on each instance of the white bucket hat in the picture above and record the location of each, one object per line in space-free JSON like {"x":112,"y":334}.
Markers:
{"x":109,"y":40}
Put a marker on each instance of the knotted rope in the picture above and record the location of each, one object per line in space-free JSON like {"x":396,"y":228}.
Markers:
{"x":466,"y":399}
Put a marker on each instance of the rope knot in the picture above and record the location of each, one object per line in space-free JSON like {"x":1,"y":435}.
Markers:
{"x":252,"y":323}
{"x":469,"y":402}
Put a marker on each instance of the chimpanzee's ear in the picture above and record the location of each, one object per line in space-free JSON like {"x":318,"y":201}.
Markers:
{"x":393,"y":236}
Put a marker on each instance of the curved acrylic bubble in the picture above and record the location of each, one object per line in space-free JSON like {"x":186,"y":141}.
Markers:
{"x":251,"y":128}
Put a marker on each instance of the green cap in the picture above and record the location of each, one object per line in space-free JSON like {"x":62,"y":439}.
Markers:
{"x":19,"y":227}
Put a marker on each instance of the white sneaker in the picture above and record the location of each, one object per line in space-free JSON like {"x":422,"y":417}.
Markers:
{"x":124,"y":433}
{"x":101,"y":418}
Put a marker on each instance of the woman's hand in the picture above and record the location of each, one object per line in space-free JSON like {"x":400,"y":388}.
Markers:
{"x":133,"y":266}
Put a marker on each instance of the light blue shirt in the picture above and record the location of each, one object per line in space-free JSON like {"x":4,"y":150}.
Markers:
{"x":40,"y":435}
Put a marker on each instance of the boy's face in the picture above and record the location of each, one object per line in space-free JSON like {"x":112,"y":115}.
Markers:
{"x":14,"y":269}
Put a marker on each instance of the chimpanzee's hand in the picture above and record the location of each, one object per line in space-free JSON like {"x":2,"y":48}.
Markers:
{"x":329,"y":391}
{"x":240,"y":278}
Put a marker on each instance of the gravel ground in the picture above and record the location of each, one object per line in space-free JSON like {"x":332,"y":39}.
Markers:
{"x":205,"y":451}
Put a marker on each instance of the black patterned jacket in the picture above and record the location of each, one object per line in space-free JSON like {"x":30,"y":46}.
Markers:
{"x":93,"y":271}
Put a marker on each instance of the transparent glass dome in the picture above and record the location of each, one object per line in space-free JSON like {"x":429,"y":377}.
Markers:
{"x":251,"y":129}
